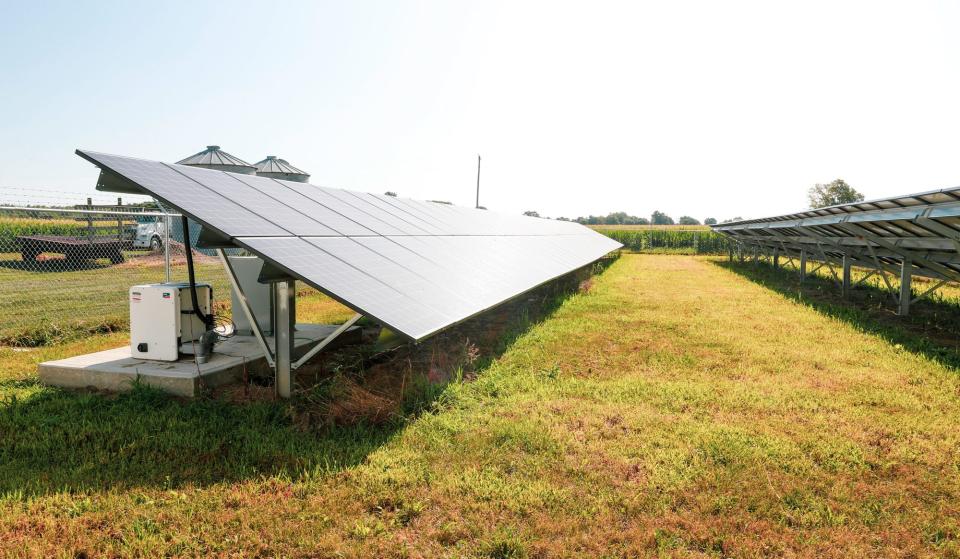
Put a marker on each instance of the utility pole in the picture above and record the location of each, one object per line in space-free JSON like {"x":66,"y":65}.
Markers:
{"x":478,"y":181}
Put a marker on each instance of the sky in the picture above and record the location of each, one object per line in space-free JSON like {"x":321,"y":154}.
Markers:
{"x":707,"y":109}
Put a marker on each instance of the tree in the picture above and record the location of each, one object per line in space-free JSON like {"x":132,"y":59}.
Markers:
{"x":833,"y":193}
{"x":613,"y":218}
{"x":710,"y":221}
{"x":687,"y":220}
{"x":660,"y":218}
{"x":531,"y":213}
{"x":732,"y":219}
{"x":390,"y":193}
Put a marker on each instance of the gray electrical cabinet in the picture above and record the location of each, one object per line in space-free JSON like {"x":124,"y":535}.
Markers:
{"x":259,"y":296}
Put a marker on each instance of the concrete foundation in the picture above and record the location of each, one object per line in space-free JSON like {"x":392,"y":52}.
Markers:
{"x":116,"y":371}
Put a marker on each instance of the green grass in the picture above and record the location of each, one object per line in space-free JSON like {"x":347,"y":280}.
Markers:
{"x":677,"y":409}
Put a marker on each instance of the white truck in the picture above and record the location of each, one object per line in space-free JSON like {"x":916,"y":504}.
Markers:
{"x":149,"y":235}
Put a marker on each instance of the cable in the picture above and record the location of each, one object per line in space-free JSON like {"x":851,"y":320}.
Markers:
{"x":207,"y":319}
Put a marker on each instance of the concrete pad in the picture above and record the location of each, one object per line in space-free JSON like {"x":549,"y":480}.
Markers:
{"x":116,"y":371}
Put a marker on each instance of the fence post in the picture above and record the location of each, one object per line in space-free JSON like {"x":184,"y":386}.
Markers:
{"x":166,"y":247}
{"x":90,"y":221}
{"x":119,"y":219}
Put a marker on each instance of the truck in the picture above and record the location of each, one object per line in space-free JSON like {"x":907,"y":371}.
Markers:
{"x":149,"y":235}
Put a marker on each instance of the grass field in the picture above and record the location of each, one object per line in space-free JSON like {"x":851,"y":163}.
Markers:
{"x":681,"y":407}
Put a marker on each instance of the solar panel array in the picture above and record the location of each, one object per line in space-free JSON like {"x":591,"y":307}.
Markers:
{"x":921,"y":229}
{"x":416,"y":267}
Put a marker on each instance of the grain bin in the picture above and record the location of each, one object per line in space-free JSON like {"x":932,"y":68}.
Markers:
{"x":276,"y":168}
{"x":215,"y":158}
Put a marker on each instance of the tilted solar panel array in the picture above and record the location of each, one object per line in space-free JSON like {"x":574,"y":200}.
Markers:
{"x":922,"y":229}
{"x":417,"y":267}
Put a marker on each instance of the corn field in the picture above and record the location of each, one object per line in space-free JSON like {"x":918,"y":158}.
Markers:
{"x":669,"y":241}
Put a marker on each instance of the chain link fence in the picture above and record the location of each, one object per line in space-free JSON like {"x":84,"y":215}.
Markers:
{"x":67,"y":272}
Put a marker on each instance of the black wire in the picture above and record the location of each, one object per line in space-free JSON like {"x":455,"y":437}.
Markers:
{"x":207,"y":319}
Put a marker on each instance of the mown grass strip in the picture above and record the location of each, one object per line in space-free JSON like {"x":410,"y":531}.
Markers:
{"x":676,"y":409}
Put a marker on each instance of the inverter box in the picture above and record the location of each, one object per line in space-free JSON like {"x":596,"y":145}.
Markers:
{"x":161,"y":321}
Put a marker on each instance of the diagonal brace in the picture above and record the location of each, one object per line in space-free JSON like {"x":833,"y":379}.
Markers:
{"x":326,"y":341}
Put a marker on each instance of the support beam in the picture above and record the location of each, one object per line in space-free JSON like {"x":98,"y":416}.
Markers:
{"x":284,"y":306}
{"x":245,"y":307}
{"x":327,"y":341}
{"x":929,"y":290}
{"x":906,"y":273}
{"x":803,"y":265}
{"x":776,"y":258}
{"x":846,"y":277}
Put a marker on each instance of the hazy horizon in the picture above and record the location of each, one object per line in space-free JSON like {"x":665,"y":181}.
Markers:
{"x":690,"y":108}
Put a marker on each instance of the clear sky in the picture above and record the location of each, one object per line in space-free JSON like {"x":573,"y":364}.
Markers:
{"x":712,"y":109}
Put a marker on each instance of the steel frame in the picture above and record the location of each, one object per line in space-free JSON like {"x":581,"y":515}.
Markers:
{"x":921,"y":240}
{"x":281,"y":358}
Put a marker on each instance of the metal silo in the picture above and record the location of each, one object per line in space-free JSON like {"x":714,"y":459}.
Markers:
{"x":277,"y":168}
{"x":215,"y":158}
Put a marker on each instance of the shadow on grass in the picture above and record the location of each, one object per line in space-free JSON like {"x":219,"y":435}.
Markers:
{"x":931,"y":329}
{"x":59,"y":440}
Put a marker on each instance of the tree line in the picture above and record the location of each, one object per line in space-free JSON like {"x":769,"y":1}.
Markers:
{"x":623,"y":218}
{"x":819,"y":195}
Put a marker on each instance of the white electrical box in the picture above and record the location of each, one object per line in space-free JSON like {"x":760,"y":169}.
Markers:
{"x":158,"y":323}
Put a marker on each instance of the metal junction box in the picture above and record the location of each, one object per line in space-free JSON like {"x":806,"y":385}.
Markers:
{"x":158,"y":325}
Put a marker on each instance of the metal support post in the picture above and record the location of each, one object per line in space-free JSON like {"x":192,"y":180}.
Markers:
{"x":740,"y":252}
{"x":284,"y":301}
{"x":776,"y":258}
{"x":906,"y":273}
{"x":803,"y":265}
{"x":845,"y":290}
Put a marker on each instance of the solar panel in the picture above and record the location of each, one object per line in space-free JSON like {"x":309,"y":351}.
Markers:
{"x":416,"y":267}
{"x":919,"y":231}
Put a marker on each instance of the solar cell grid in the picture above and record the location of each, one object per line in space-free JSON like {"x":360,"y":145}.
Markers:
{"x":240,"y":191}
{"x":298,"y":196}
{"x":182,"y":192}
{"x":397,"y":226}
{"x":417,"y":267}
